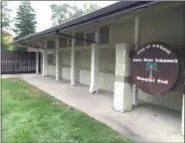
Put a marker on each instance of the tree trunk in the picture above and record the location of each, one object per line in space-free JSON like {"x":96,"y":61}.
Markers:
{"x":150,"y":75}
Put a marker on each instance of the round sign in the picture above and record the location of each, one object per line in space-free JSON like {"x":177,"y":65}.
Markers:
{"x":155,"y":68}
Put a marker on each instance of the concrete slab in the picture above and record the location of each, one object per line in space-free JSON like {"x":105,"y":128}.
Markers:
{"x":145,"y":123}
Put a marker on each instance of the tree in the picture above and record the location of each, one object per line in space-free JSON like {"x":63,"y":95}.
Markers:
{"x":88,"y":8}
{"x":151,"y":67}
{"x":5,"y":15}
{"x":5,"y":24}
{"x":64,"y":12}
{"x":76,"y":12}
{"x":25,"y":21}
{"x":60,"y":13}
{"x":7,"y":38}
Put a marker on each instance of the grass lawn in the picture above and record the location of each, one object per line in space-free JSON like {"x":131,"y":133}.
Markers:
{"x":30,"y":115}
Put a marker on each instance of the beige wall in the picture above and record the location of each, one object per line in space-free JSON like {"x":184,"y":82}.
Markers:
{"x":51,"y":70}
{"x":166,"y":26}
{"x":84,"y":65}
{"x":66,"y":58}
{"x":65,"y":62}
{"x":123,"y":32}
{"x":85,"y":76}
{"x":107,"y":60}
{"x":66,"y":73}
{"x":106,"y":81}
{"x":107,"y":65}
{"x":85,"y":59}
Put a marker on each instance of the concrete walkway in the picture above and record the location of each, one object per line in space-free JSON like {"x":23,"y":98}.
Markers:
{"x":145,"y":123}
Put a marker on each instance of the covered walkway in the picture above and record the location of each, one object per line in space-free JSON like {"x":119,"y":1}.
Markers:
{"x":98,"y":50}
{"x":147,"y":122}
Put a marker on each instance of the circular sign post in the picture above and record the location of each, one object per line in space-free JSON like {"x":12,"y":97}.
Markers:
{"x":155,"y":68}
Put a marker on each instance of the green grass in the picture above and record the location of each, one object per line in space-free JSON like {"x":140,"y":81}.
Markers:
{"x":30,"y":115}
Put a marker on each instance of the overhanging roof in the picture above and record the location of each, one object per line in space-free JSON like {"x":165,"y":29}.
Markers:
{"x":117,"y":8}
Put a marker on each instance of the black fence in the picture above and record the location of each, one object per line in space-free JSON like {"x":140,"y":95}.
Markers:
{"x":18,"y":62}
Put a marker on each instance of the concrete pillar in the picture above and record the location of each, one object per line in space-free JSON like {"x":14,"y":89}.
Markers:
{"x":136,"y":44}
{"x":73,"y":62}
{"x":182,"y":125}
{"x":45,"y":62}
{"x":37,"y":61}
{"x":122,"y":89}
{"x":94,"y":64}
{"x":57,"y":58}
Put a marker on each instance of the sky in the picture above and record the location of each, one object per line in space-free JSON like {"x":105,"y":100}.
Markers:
{"x":43,"y":12}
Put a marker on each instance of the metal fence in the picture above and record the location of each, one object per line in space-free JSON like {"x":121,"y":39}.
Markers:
{"x":18,"y":62}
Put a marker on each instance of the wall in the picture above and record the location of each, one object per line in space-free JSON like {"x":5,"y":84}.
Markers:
{"x":106,"y":81}
{"x":107,"y":65}
{"x":66,"y":73}
{"x":166,"y":26}
{"x":51,"y":70}
{"x":85,"y":77}
{"x":106,"y":68}
{"x":83,"y":62}
{"x":65,"y":65}
{"x":122,"y":32}
{"x":84,"y":66}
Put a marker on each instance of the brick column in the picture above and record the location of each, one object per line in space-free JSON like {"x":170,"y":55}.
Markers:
{"x":122,"y":89}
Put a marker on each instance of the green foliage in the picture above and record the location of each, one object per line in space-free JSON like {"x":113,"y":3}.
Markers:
{"x":64,"y":12}
{"x":151,"y":66}
{"x":25,"y":21}
{"x":88,"y":8}
{"x":29,"y":115}
{"x":5,"y":44}
{"x":6,"y":40}
{"x":60,"y":13}
{"x":5,"y":24}
{"x":5,"y":15}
